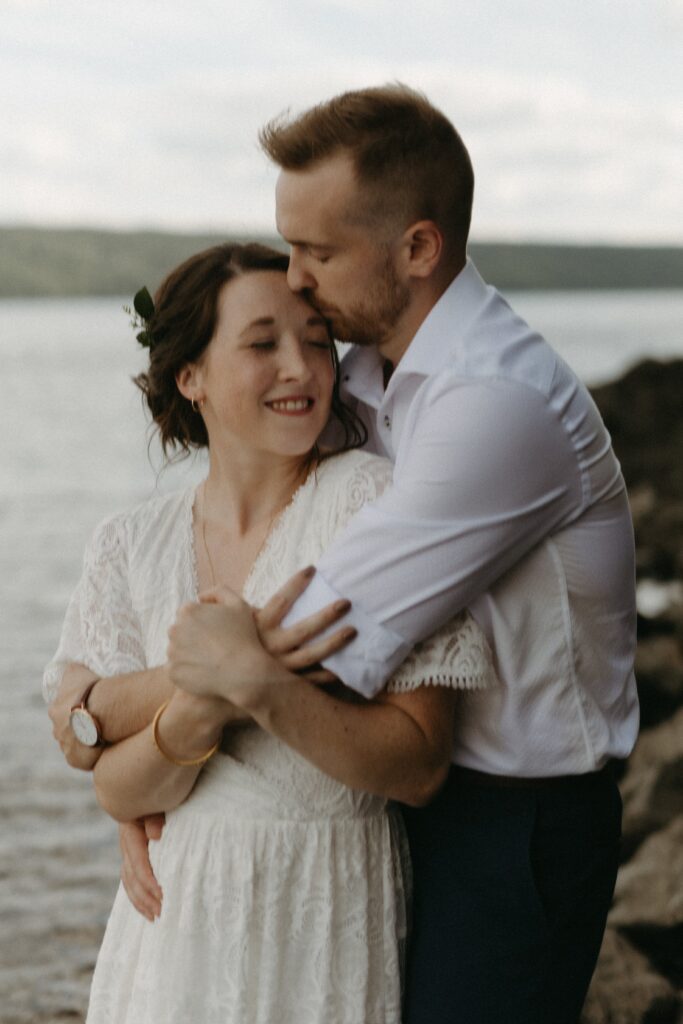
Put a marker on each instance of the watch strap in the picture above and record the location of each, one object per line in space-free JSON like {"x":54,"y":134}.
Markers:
{"x":83,"y":706}
{"x":83,"y":702}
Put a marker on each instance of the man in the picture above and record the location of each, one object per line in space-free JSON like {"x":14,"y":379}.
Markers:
{"x":507,"y":498}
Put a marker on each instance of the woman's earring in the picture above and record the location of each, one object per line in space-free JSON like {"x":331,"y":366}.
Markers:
{"x":197,"y":405}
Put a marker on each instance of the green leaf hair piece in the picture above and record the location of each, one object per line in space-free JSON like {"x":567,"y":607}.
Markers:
{"x":143,"y":305}
{"x":141,"y":314}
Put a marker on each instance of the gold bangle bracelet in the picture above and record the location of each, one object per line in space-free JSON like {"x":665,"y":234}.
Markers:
{"x":169,"y":757}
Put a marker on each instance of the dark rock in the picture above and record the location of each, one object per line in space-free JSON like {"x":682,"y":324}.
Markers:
{"x":643,"y":412}
{"x":652,"y":788}
{"x":627,"y":990}
{"x":659,"y":540}
{"x":656,"y":625}
{"x":662,"y":946}
{"x":649,"y":900}
{"x":659,"y":672}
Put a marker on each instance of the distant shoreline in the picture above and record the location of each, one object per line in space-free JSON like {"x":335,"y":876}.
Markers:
{"x":72,"y":262}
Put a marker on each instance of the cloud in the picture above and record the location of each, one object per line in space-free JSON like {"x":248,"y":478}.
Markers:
{"x":126,"y":114}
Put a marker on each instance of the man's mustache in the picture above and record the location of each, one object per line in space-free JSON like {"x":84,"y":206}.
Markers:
{"x":319,"y":304}
{"x":309,"y":295}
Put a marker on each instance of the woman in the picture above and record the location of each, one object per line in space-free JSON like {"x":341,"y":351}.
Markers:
{"x":284,"y":887}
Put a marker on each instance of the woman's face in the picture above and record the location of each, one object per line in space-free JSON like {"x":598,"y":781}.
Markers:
{"x":267,"y":374}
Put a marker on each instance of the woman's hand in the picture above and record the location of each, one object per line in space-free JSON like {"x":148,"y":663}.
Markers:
{"x":142,"y":888}
{"x":298,"y":648}
{"x":214,"y":649}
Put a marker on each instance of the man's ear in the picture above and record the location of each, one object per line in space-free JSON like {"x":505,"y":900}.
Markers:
{"x":424,"y":248}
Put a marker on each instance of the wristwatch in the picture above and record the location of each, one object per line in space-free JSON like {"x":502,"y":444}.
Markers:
{"x":84,"y":725}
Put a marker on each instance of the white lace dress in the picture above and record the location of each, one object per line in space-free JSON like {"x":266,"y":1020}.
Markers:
{"x":284,"y":891}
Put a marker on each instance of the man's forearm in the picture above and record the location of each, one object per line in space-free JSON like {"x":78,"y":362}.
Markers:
{"x":398,"y":747}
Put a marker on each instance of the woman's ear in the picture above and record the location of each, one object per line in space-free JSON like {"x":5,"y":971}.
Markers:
{"x":189,"y":382}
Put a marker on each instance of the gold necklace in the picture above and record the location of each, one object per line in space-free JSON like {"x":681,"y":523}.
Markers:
{"x":206,"y":546}
{"x":269,"y":525}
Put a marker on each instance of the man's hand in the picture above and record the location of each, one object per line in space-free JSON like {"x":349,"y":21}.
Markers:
{"x":297,"y":647}
{"x":71,"y":688}
{"x":142,"y":888}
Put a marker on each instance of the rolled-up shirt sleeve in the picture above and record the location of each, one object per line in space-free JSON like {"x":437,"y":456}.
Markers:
{"x":486,"y":470}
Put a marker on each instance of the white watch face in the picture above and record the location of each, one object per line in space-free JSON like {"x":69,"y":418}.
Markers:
{"x":83,"y":727}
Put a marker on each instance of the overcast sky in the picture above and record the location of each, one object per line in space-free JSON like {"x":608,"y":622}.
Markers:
{"x":131,"y":114}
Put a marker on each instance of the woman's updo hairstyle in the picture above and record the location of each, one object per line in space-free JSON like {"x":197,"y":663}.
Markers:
{"x":182,"y":325}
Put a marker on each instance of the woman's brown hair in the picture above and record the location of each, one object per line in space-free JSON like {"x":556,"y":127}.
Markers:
{"x":182,"y":325}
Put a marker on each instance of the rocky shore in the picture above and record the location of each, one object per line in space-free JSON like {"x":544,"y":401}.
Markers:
{"x":58,"y":852}
{"x":639,"y":979}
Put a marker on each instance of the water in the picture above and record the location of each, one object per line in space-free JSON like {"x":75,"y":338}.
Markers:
{"x":74,"y":448}
{"x":602,"y":334}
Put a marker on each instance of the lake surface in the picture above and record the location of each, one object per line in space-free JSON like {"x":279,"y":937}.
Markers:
{"x":74,"y":449}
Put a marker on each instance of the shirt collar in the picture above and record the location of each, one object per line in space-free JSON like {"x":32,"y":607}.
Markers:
{"x":361,"y":375}
{"x":440,"y":335}
{"x":434,"y":346}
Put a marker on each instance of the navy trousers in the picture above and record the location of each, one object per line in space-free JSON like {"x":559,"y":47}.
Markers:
{"x":511,"y":891}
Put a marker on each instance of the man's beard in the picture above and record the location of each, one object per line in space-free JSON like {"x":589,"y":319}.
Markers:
{"x":372,"y":322}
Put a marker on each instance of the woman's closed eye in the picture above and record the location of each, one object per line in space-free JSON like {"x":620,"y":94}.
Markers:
{"x":263,"y":344}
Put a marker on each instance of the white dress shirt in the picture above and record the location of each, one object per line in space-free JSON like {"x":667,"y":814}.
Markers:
{"x":507,"y":499}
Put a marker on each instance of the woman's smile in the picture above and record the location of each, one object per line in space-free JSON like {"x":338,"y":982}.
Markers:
{"x":294,"y":405}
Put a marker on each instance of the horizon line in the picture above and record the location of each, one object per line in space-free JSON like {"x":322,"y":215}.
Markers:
{"x":240,"y":232}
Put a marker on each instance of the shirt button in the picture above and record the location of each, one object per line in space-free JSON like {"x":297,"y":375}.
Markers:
{"x":387,"y":422}
{"x":346,"y":378}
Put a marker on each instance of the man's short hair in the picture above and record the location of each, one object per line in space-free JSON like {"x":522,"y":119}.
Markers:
{"x":406,"y":153}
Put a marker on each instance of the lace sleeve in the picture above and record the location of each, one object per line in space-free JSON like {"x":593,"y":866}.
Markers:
{"x":367,"y":479}
{"x":457,"y":656}
{"x":100,"y":628}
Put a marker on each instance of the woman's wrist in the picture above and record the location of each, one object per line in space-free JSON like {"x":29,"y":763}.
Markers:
{"x":189,"y":725}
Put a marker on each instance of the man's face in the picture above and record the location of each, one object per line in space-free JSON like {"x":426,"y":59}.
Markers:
{"x":337,"y":261}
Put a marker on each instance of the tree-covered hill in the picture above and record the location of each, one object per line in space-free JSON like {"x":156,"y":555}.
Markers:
{"x":43,"y":262}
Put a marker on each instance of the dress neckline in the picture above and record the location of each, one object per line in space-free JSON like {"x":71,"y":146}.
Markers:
{"x":274,"y":532}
